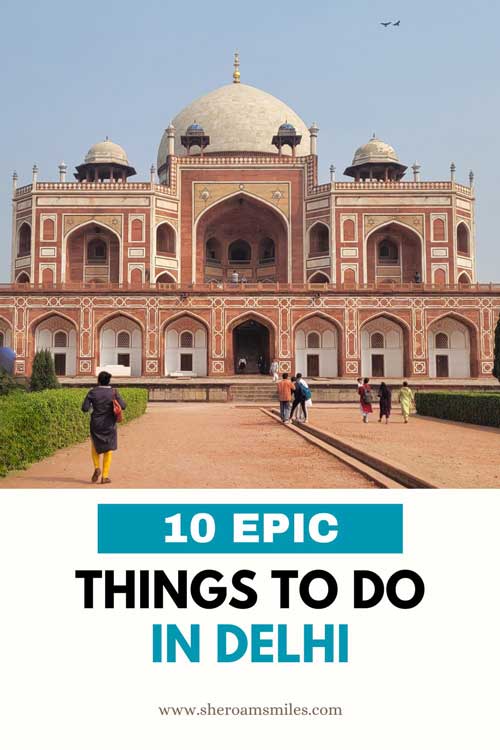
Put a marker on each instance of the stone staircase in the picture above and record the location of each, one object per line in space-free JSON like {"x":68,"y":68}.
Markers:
{"x":263,"y":393}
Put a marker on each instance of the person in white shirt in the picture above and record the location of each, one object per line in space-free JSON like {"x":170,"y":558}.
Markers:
{"x":273,"y":371}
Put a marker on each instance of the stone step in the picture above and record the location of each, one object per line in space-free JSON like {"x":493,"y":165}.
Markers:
{"x":259,"y":392}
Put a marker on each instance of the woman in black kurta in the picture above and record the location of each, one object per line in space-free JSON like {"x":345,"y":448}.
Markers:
{"x":385,"y":397}
{"x":102,"y":424}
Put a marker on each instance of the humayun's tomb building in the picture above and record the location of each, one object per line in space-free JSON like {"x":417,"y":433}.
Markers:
{"x":232,"y":249}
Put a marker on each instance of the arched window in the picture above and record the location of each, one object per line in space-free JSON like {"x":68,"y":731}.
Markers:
{"x":2,"y":339}
{"x":377,"y":341}
{"x":313,"y":340}
{"x":463,"y":279}
{"x":165,"y":240}
{"x":96,"y":252}
{"x":23,"y":278}
{"x":186,"y":340}
{"x":319,"y":278}
{"x":165,"y":278}
{"x":348,"y":230}
{"x":319,"y":240}
{"x":442,"y":341}
{"x":463,"y":239}
{"x":60,"y":339}
{"x":49,"y":229}
{"x":267,"y":250}
{"x":438,"y":230}
{"x":213,"y":250}
{"x":123,"y":340}
{"x":24,"y":240}
{"x":240,"y":252}
{"x":388,"y":253}
{"x":136,"y":230}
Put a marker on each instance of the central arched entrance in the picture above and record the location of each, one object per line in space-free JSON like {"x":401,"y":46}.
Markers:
{"x":242,"y":238}
{"x":251,"y":343}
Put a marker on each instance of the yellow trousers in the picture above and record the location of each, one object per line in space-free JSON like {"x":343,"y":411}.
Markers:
{"x":106,"y":461}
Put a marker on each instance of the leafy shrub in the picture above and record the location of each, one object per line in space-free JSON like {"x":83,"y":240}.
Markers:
{"x":460,"y":406}
{"x":35,"y":425}
{"x":43,"y":375}
{"x":8,"y":384}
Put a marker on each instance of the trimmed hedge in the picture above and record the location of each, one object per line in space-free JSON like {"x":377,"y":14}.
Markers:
{"x":36,"y":425}
{"x":460,"y":406}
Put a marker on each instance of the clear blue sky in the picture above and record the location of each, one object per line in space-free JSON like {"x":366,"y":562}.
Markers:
{"x":73,"y":72}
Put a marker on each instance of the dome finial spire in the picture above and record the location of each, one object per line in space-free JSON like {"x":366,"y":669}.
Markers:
{"x":236,"y":65}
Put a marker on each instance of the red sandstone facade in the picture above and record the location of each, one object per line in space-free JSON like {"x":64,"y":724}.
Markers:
{"x":244,"y":253}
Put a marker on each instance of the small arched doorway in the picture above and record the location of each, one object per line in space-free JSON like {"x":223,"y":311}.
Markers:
{"x":316,"y":348}
{"x":383,"y":349}
{"x":251,"y":348}
{"x":186,"y":348}
{"x":121,"y":347}
{"x":449,"y":349}
{"x":58,"y":336}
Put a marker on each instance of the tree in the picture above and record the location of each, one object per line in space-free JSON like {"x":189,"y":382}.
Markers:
{"x":496,"y":351}
{"x":43,"y":375}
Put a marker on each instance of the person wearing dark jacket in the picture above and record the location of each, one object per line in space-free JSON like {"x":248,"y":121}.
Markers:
{"x":299,"y":397}
{"x":385,"y":397}
{"x":103,"y":432}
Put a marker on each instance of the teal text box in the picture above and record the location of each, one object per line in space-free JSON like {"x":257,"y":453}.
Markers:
{"x":361,"y":528}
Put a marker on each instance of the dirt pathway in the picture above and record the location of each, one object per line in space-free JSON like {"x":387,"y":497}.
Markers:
{"x":197,"y":445}
{"x":447,"y":454}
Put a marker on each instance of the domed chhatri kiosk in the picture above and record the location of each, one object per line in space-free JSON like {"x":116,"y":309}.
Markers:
{"x":231,"y":249}
{"x":104,"y":161}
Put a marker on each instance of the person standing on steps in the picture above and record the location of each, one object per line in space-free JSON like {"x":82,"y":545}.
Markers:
{"x":273,"y":371}
{"x":285,"y":390}
{"x":385,"y":397}
{"x":365,"y":399}
{"x":103,"y":433}
{"x":407,"y":400}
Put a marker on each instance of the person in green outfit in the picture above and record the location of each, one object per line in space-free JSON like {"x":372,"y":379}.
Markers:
{"x":407,"y":400}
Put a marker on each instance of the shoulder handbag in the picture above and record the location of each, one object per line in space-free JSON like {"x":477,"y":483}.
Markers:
{"x":117,"y":409}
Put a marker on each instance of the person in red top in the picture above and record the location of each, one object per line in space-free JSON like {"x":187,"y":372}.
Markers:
{"x":365,"y":399}
{"x":285,"y":391}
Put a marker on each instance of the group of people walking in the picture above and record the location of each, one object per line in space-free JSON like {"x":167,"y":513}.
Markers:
{"x":367,"y":397}
{"x":293,"y":395}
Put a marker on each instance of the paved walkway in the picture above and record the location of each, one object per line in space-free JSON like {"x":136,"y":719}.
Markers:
{"x":198,"y":445}
{"x":447,"y":454}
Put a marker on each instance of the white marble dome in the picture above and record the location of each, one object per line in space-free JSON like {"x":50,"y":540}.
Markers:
{"x":106,"y":152}
{"x":237,"y":117}
{"x":375,"y":152}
